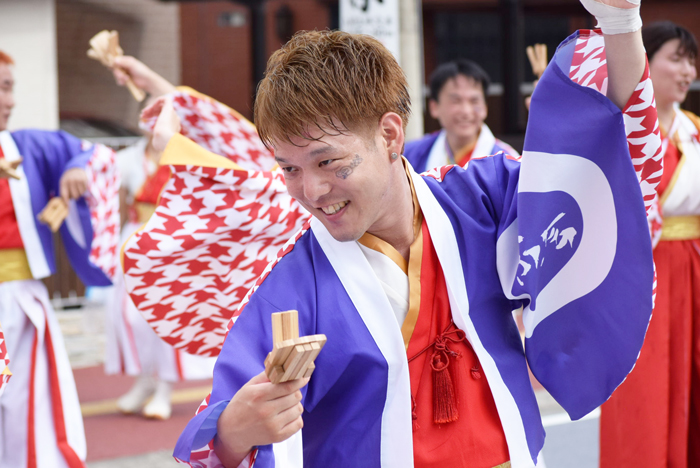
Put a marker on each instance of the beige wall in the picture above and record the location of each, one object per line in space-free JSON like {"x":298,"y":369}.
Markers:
{"x":149,"y":30}
{"x":28,"y":34}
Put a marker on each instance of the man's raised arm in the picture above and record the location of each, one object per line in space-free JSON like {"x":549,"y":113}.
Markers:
{"x":626,"y":59}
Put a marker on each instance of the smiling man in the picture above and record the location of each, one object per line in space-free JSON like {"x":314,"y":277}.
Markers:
{"x":458,"y":101}
{"x":414,"y":278}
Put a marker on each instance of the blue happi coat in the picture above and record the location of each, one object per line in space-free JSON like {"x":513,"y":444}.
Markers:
{"x":562,"y":234}
{"x":46,"y":156}
{"x":430,"y":151}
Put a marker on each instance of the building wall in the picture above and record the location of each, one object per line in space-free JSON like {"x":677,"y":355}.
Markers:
{"x":307,"y":15}
{"x":217,"y":60}
{"x":28,"y":34}
{"x":685,"y":13}
{"x":217,"y":57}
{"x":149,"y":30}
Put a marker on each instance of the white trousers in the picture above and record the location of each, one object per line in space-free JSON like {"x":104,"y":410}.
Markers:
{"x":45,"y":431}
{"x":133,"y":348}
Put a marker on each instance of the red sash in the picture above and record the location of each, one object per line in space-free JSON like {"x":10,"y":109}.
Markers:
{"x":447,"y":383}
{"x":9,"y":230}
{"x":151,"y":188}
{"x":671,"y":159}
{"x":463,"y":158}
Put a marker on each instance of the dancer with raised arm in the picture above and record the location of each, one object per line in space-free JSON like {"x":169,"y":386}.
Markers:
{"x":653,"y":419}
{"x":132,"y":347}
{"x":413,"y":278}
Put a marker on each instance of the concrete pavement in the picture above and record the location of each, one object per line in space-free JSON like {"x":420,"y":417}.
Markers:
{"x":115,"y":440}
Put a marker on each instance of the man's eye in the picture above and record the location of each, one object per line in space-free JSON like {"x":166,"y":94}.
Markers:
{"x":288,"y":170}
{"x":325,"y":163}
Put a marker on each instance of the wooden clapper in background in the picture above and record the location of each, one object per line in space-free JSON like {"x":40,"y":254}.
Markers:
{"x":104,"y":47}
{"x":55,"y":210}
{"x":54,"y":213}
{"x":291,"y":357}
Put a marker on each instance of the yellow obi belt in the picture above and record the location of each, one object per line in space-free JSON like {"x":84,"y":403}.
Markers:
{"x":14,"y":265}
{"x":144,"y":211}
{"x":680,"y":228}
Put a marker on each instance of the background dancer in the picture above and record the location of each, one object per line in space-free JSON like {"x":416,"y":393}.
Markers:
{"x":40,"y":421}
{"x":653,"y":419}
{"x":458,"y":101}
{"x":132,"y":346}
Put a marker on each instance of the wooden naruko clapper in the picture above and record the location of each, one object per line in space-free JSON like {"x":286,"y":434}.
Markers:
{"x":291,"y":357}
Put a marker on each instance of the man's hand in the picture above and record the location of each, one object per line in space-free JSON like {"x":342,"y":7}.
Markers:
{"x":9,"y":168}
{"x":260,"y":413}
{"x":167,"y":125}
{"x":142,"y":76}
{"x":73,"y":184}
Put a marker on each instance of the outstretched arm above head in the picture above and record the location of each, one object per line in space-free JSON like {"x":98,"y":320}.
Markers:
{"x":144,"y":77}
{"x":626,"y":59}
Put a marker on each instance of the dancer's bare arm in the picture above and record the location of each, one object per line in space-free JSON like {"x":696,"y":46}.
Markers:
{"x":626,"y":58}
{"x":143,"y":77}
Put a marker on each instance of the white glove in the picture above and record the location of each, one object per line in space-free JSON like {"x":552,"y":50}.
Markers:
{"x":614,"y":20}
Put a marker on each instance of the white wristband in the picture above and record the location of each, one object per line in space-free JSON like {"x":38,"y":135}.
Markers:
{"x":614,"y":20}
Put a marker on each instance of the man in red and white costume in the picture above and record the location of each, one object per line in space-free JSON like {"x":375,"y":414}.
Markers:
{"x":40,"y":420}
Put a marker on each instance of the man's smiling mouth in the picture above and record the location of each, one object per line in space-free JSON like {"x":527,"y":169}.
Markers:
{"x":333,"y":209}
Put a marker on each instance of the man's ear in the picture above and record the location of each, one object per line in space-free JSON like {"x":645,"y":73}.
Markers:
{"x":433,"y":108}
{"x":391,"y":128}
{"x":486,"y":101}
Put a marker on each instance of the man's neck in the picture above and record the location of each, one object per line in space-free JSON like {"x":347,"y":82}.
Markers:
{"x":397,"y":229}
{"x":666,"y":114}
{"x":456,"y":144}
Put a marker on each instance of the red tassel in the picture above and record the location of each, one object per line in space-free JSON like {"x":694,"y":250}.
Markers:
{"x":476,"y":375}
{"x":445,"y":380}
{"x":444,"y":400}
{"x":414,"y":414}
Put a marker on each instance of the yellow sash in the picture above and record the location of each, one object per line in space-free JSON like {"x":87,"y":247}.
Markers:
{"x":14,"y":265}
{"x":680,"y":228}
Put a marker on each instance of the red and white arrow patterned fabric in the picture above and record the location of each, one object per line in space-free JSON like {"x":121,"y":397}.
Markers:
{"x":213,"y":233}
{"x":205,"y":457}
{"x":4,"y":363}
{"x":219,"y":129}
{"x":103,"y":200}
{"x":589,"y":68}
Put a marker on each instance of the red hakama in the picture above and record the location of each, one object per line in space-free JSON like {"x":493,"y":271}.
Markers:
{"x":653,"y":418}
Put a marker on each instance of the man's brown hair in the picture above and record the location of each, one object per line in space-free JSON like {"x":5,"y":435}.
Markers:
{"x":6,"y":59}
{"x":331,"y":80}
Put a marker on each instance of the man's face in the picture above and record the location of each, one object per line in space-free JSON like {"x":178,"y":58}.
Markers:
{"x":345,"y":181}
{"x":460,"y":107}
{"x":7,"y":99}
